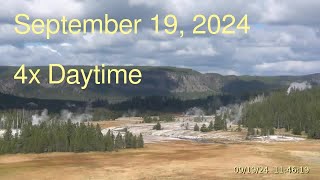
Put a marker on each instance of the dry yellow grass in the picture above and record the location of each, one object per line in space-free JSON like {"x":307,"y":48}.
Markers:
{"x":171,"y":160}
{"x":118,"y":122}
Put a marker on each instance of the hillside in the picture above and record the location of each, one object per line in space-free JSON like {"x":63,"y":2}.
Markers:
{"x":12,"y":102}
{"x":164,"y":81}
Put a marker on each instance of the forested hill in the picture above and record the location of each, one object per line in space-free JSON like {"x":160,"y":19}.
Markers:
{"x":160,"y":81}
{"x":14,"y":102}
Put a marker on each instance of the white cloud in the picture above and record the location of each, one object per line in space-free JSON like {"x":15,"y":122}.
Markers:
{"x":51,"y":50}
{"x":288,"y":67}
{"x":281,"y":30}
{"x":41,"y":9}
{"x":197,"y":51}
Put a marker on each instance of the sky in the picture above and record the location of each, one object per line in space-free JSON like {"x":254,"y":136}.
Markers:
{"x":284,"y":38}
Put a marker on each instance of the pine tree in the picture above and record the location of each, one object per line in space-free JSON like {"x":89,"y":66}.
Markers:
{"x":109,"y":141}
{"x":210,"y":127}
{"x":129,"y":140}
{"x":99,"y":138}
{"x":118,"y":142}
{"x":8,"y":134}
{"x":157,"y":126}
{"x":196,"y":127}
{"x":140,"y":141}
{"x":134,"y":141}
{"x":219,"y":123}
{"x":257,"y":132}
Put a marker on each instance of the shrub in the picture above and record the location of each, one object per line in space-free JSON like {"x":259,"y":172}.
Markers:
{"x":166,"y":118}
{"x":296,"y":131}
{"x":204,"y":128}
{"x":314,"y":134}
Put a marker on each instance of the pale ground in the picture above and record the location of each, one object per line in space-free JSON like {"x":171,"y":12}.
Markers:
{"x":182,"y":129}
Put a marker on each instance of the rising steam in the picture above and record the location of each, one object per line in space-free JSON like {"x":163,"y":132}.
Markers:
{"x":195,"y":111}
{"x":37,"y":119}
{"x":295,"y":86}
{"x":64,"y":116}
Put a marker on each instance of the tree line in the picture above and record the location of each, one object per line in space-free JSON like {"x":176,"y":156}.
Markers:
{"x":65,"y":137}
{"x":101,"y":109}
{"x":163,"y":118}
{"x":296,"y":112}
{"x":220,"y":123}
{"x":154,"y":105}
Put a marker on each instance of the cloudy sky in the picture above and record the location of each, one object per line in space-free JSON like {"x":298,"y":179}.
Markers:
{"x":284,"y":36}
